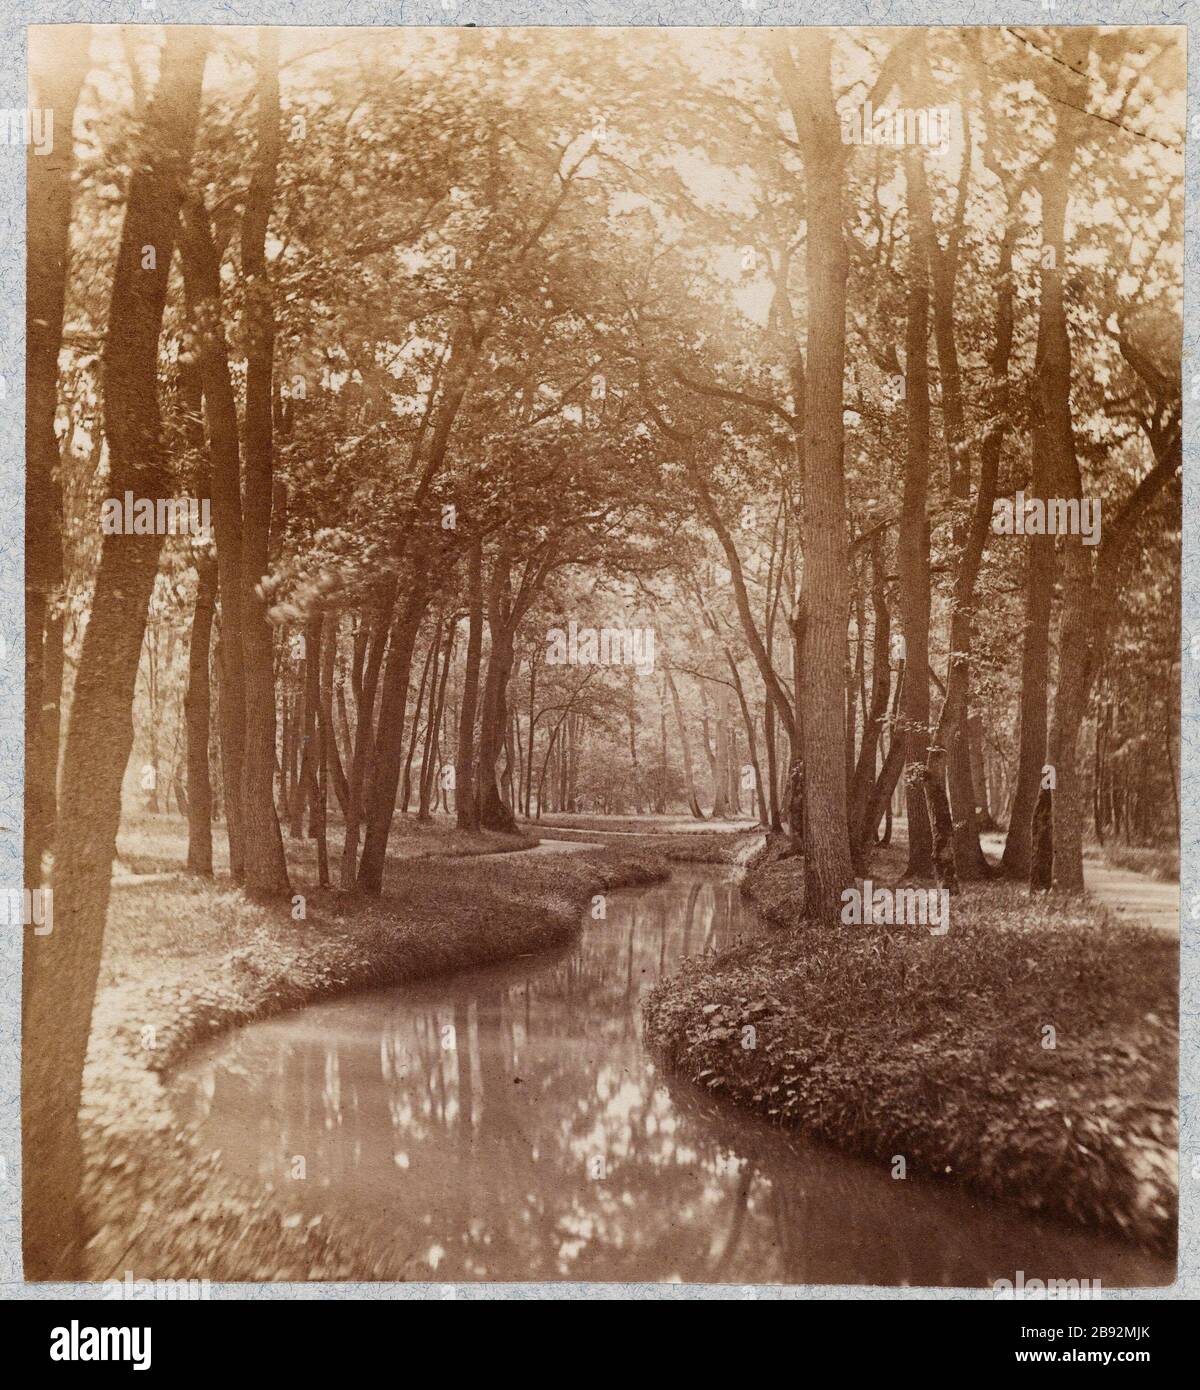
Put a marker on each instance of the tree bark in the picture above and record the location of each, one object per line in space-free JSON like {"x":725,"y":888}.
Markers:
{"x":689,"y":769}
{"x":913,"y":551}
{"x":385,"y":778}
{"x":202,"y":274}
{"x":58,"y":64}
{"x":466,"y":807}
{"x":863,"y":834}
{"x":60,"y":969}
{"x":437,"y":704}
{"x":266,"y":874}
{"x":828,"y":867}
{"x":197,"y":704}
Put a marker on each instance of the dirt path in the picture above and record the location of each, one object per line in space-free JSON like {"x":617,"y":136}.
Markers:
{"x":1136,"y":897}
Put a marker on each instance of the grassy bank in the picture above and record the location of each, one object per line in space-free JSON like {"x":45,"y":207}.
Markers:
{"x":891,"y":1041}
{"x":157,"y":843}
{"x":187,"y":959}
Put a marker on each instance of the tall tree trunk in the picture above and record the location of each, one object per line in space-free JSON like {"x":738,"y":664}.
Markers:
{"x":751,"y":740}
{"x":1035,"y":674}
{"x":716,"y":767}
{"x":913,"y":555}
{"x":370,"y":642}
{"x":385,"y":774}
{"x":1053,"y":377}
{"x":689,"y":768}
{"x":979,"y":776}
{"x":863,"y":834}
{"x":329,"y":763}
{"x":532,"y":729}
{"x":494,"y":814}
{"x":197,"y":707}
{"x":430,"y":658}
{"x":430,"y":785}
{"x":331,"y":758}
{"x":971,"y":537}
{"x":466,"y":806}
{"x":266,"y":872}
{"x":58,"y":64}
{"x":60,"y":969}
{"x":202,"y":275}
{"x":821,"y":717}
{"x":310,"y":756}
{"x":437,"y":699}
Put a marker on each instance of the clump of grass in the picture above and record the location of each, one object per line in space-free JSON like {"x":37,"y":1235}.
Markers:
{"x":892,"y":1041}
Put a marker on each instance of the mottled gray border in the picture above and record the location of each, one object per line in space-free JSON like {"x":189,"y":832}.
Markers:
{"x":595,"y":12}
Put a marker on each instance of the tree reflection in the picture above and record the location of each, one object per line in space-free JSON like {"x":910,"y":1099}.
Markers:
{"x":506,"y":1124}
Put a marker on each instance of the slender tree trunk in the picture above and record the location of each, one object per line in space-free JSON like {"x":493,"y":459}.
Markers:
{"x":751,"y":741}
{"x":881,"y":682}
{"x":329,"y":764}
{"x":466,"y":806}
{"x":1053,"y":378}
{"x":494,"y":814}
{"x":689,"y":769}
{"x":202,"y":272}
{"x":430,"y":658}
{"x":532,"y":728}
{"x":979,"y":778}
{"x":310,"y":757}
{"x":385,"y":778}
{"x":437,"y":701}
{"x":265,"y":864}
{"x":58,"y":64}
{"x":60,"y":969}
{"x":197,"y":706}
{"x":331,"y":757}
{"x":1035,"y":669}
{"x":369,"y":649}
{"x":913,"y":556}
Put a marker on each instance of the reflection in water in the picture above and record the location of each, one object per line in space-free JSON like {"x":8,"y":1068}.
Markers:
{"x":506,"y":1124}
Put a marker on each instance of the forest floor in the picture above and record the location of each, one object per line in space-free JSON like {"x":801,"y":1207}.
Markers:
{"x":1031,"y":1052}
{"x":186,"y":958}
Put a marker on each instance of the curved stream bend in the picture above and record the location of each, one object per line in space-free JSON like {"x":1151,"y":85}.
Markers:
{"x":507,"y":1124}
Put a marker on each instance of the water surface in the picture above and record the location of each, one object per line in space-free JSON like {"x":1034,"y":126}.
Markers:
{"x":507,"y":1124}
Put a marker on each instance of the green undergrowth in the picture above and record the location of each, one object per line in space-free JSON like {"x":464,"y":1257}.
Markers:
{"x":1031,"y":1052}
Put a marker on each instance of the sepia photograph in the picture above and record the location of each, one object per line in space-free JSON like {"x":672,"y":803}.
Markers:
{"x":603,"y":639}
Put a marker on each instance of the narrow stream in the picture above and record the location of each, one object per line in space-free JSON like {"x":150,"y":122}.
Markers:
{"x":507,"y":1124}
